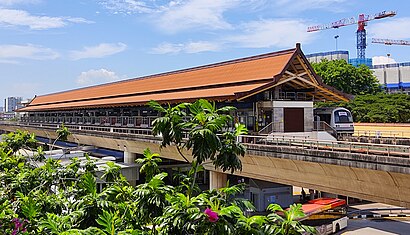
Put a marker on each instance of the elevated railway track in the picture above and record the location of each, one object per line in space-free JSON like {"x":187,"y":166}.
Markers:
{"x":374,"y":172}
{"x":390,"y":150}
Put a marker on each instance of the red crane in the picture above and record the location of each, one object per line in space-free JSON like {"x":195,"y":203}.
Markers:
{"x":360,"y":33}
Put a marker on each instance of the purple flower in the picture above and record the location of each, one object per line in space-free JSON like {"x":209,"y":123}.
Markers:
{"x":18,"y":226}
{"x":212,"y":215}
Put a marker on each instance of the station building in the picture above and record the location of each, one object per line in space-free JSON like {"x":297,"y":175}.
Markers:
{"x":273,"y":91}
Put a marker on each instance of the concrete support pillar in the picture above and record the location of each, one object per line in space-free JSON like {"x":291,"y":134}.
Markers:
{"x":129,"y":157}
{"x":133,"y":174}
{"x":217,"y":180}
{"x":308,"y":119}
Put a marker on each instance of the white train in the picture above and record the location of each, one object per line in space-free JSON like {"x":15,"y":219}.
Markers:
{"x":339,"y":119}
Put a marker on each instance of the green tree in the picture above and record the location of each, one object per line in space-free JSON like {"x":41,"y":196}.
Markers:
{"x":347,"y":78}
{"x":52,"y":198}
{"x":149,"y":164}
{"x":377,"y":108}
{"x":288,"y":223}
{"x":18,"y":140}
{"x":206,"y":129}
{"x":381,"y":107}
{"x":63,"y":133}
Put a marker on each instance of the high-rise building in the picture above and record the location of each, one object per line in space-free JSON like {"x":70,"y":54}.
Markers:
{"x":12,"y":103}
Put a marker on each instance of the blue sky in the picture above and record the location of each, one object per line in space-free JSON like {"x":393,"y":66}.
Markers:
{"x":50,"y":46}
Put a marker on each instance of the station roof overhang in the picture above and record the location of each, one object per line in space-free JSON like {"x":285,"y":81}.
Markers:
{"x":234,"y":80}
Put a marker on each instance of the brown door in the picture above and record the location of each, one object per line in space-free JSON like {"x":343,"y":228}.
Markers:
{"x":293,"y":120}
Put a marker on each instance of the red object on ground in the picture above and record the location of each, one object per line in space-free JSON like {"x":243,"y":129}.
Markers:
{"x":321,"y":204}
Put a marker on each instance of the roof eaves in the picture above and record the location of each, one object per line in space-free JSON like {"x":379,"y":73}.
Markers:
{"x":239,"y":60}
{"x":320,"y":80}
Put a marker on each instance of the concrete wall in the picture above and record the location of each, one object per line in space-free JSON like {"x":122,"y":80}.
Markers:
{"x":278,"y":195}
{"x":308,"y":113}
{"x":278,"y":113}
{"x":278,"y":119}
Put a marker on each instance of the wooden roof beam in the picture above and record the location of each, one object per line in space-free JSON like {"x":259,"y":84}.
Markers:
{"x":307,"y":69}
{"x":323,"y":89}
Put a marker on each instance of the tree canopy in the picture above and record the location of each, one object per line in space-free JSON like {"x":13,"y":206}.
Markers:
{"x":43,"y":196}
{"x":347,"y":78}
{"x":382,"y":107}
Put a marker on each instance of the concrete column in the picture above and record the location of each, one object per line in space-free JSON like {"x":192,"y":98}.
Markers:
{"x":133,"y":174}
{"x":129,"y":157}
{"x":217,"y":180}
{"x":308,"y":119}
{"x":277,"y":118}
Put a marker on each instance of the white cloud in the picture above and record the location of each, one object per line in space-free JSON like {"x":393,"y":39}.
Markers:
{"x":10,"y":17}
{"x":8,"y":53}
{"x":271,"y":33}
{"x":195,"y":47}
{"x":128,"y":6}
{"x":398,"y":28}
{"x":177,"y":15}
{"x":294,"y":6}
{"x":190,"y":47}
{"x":79,"y":20}
{"x":99,"y":51}
{"x":196,"y":14}
{"x":14,"y":2}
{"x":95,"y":76}
{"x":9,"y":62}
{"x":278,"y":33}
{"x":378,"y":60}
{"x":166,"y":48}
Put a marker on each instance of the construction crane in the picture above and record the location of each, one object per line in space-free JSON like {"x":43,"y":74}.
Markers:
{"x":361,"y":31}
{"x":391,"y":41}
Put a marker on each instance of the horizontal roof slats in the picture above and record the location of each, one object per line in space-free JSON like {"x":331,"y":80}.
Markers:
{"x":225,"y":92}
{"x":231,"y":72}
{"x":230,"y":80}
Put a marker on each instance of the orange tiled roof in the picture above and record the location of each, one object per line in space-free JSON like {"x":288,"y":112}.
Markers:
{"x":222,"y":93}
{"x":216,"y":81}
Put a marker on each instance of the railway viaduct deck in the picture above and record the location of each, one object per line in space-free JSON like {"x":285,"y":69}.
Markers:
{"x":379,"y":173}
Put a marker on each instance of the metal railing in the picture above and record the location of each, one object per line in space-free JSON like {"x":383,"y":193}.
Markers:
{"x":134,"y":121}
{"x":323,"y":126}
{"x":328,"y":145}
{"x":382,"y":133}
{"x":271,"y":127}
{"x":285,"y":141}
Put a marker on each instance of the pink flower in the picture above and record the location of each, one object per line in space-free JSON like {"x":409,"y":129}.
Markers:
{"x":212,"y":215}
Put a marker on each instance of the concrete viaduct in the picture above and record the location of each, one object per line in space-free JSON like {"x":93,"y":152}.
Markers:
{"x":379,"y":176}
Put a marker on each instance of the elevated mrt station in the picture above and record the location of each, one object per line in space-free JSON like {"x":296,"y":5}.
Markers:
{"x":273,"y":92}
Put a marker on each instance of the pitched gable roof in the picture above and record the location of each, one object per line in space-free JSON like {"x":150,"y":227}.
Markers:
{"x":221,"y":81}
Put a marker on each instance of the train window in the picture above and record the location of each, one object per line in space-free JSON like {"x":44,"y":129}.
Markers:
{"x":342,"y":116}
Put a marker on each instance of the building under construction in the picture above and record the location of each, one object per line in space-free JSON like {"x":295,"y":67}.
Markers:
{"x":394,"y":78}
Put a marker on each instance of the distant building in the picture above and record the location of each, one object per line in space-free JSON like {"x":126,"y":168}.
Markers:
{"x":331,"y":55}
{"x":1,"y":109}
{"x":338,"y":55}
{"x":12,"y":103}
{"x":356,"y":62}
{"x":394,"y":78}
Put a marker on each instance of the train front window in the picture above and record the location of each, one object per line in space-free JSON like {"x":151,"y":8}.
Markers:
{"x":342,"y":116}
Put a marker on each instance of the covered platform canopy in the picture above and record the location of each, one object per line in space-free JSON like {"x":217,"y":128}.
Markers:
{"x":233,"y":80}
